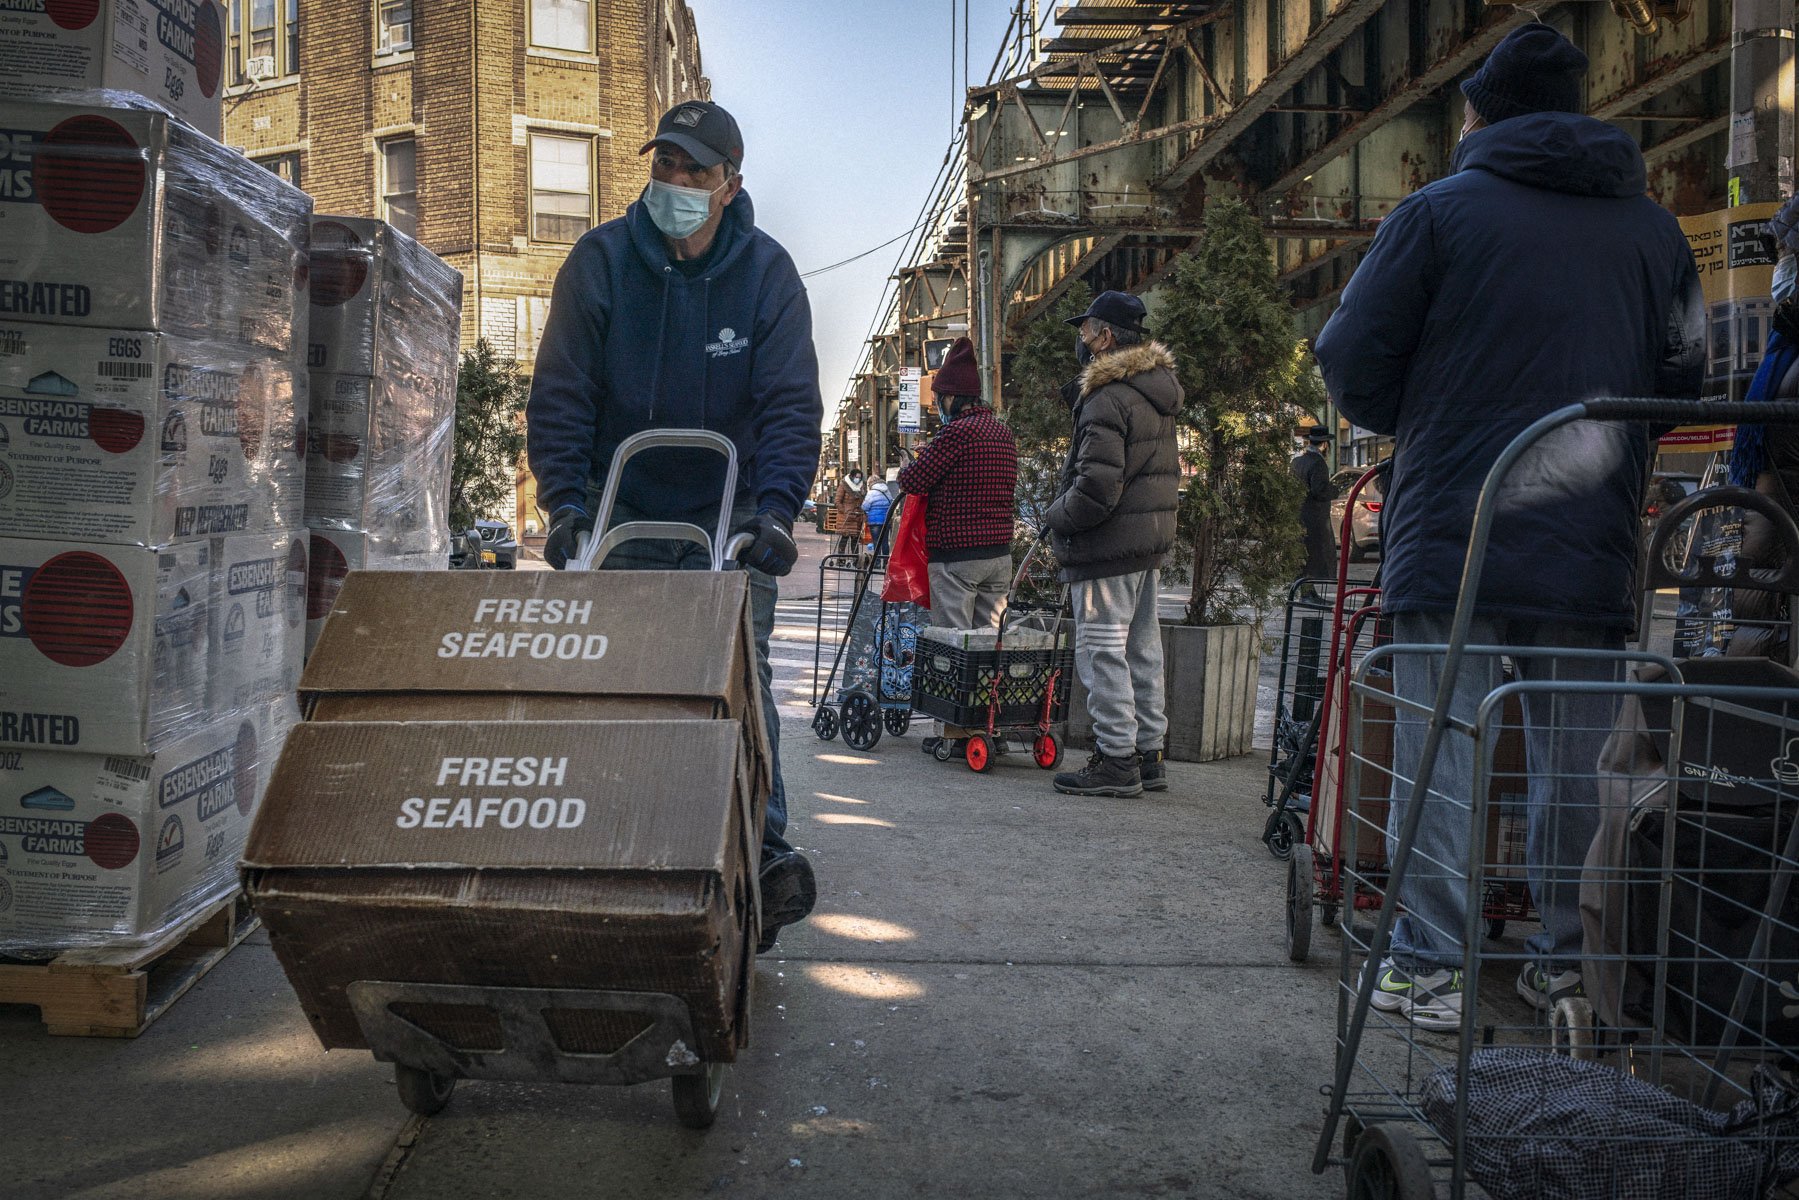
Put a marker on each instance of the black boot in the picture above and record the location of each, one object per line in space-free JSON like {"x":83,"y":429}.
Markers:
{"x":1103,"y":776}
{"x":1153,"y":766}
{"x":789,"y":891}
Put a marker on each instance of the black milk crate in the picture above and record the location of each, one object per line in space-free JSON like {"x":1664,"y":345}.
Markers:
{"x":954,"y":684}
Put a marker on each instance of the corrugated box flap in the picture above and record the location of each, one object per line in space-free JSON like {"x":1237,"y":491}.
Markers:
{"x":600,"y":795}
{"x":613,"y":633}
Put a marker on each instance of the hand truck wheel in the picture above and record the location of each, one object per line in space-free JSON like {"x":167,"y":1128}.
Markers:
{"x":978,"y":752}
{"x":945,"y":749}
{"x":1389,"y":1164}
{"x":421,"y":1091}
{"x":824,"y":723}
{"x":1283,"y":833}
{"x":1327,"y":915}
{"x":1047,"y":751}
{"x":696,"y":1096}
{"x":861,"y":717}
{"x":897,"y":720}
{"x":1299,"y":903}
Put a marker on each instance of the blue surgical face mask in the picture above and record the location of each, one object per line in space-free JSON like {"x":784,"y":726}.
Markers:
{"x":1786,"y":275}
{"x":678,"y":211}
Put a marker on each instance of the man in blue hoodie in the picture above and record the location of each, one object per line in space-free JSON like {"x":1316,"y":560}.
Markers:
{"x":1538,"y":274}
{"x":681,"y":314}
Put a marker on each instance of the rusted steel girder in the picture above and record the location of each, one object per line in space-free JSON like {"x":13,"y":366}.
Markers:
{"x":1703,"y":58}
{"x":1328,"y":36}
{"x":1420,"y":88}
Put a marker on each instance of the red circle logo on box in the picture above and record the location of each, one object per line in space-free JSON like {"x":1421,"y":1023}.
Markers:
{"x":115,"y":430}
{"x":209,"y":48}
{"x":72,"y":14}
{"x":90,"y":174}
{"x":243,"y":768}
{"x":77,"y":609}
{"x":339,"y":264}
{"x":324,"y":579}
{"x":111,"y":841}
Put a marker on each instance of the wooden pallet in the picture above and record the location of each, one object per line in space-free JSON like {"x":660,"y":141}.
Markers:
{"x":116,"y":991}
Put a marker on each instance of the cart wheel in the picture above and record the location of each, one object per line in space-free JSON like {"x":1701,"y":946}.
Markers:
{"x":1327,"y":915}
{"x":1283,"y":833}
{"x":1047,"y":751}
{"x":1352,"y":1130}
{"x":897,"y":720}
{"x":1495,"y":930}
{"x":1389,"y":1164}
{"x":696,"y":1096}
{"x":1299,"y":903}
{"x":1573,"y":1030}
{"x":824,"y":723}
{"x":861,"y":721}
{"x":978,"y":752}
{"x":943,"y":752}
{"x":421,"y":1091}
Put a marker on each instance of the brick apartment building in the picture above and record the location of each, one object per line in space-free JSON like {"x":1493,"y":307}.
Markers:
{"x":495,"y":131}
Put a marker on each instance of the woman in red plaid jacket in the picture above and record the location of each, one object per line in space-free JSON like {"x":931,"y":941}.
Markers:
{"x":968,"y":473}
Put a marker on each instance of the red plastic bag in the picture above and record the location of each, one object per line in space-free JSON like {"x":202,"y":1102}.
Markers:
{"x":909,"y":563}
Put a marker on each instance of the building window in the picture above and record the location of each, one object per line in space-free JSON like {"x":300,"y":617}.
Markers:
{"x":393,"y":26}
{"x":562,"y":24}
{"x":265,"y":39}
{"x":561,"y":188}
{"x":399,"y":184}
{"x":285,"y":165}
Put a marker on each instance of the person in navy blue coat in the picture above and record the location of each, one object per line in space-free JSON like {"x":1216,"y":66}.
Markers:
{"x":681,"y":314}
{"x":1539,"y":273}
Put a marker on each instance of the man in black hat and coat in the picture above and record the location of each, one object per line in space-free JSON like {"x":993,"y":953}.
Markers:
{"x":1314,"y":475}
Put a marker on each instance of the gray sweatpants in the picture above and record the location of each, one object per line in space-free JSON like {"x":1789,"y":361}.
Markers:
{"x":969,"y":595}
{"x":1118,"y":655}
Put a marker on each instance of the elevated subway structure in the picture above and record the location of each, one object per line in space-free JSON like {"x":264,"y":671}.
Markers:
{"x":1095,"y":164}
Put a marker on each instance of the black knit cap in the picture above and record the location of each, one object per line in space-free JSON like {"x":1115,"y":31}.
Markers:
{"x":1535,"y":69}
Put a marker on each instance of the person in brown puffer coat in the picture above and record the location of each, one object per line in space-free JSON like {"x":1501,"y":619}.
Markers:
{"x":1112,"y":526}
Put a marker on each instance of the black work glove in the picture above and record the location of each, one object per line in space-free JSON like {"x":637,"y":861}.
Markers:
{"x":773,"y":551}
{"x":564,"y":542}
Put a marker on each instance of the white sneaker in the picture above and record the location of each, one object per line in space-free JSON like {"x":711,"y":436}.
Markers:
{"x":1435,"y":1001}
{"x":1543,"y":991}
{"x":1391,"y":987}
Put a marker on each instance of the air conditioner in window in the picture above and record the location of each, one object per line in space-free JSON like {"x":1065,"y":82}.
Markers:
{"x":261,"y":66}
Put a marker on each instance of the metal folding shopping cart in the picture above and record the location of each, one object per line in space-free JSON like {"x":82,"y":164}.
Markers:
{"x":867,"y":688}
{"x":1006,"y":696}
{"x":1610,"y":1080}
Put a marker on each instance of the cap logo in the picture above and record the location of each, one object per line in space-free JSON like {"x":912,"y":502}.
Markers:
{"x":687,"y":116}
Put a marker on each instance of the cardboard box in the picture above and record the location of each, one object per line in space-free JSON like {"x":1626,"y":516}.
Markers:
{"x":614,"y":856}
{"x":1507,"y":786}
{"x":171,"y":51}
{"x":98,"y":848}
{"x":103,"y":649}
{"x":649,"y":635}
{"x":334,"y":553}
{"x":120,"y":218}
{"x":381,"y":303}
{"x":139,"y":438}
{"x":378,"y":456}
{"x":258,"y":619}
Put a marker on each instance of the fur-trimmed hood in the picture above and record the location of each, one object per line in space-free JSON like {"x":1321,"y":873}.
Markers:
{"x":1147,"y":366}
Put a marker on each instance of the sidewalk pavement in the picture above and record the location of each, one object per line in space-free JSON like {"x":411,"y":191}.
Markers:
{"x":1004,"y":992}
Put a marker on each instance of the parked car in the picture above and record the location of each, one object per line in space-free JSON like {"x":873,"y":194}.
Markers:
{"x":1364,"y":531}
{"x":499,"y":549}
{"x":809,"y":511}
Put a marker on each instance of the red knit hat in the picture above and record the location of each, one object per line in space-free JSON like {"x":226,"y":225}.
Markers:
{"x":958,"y":376}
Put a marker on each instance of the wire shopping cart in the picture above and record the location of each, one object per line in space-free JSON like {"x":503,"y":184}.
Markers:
{"x":1615,"y":1079}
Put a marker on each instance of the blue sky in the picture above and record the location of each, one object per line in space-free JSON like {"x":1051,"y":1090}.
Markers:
{"x":846,"y":111}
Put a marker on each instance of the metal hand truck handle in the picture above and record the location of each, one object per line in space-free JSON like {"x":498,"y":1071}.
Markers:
{"x":594,"y":547}
{"x":1779,"y":412}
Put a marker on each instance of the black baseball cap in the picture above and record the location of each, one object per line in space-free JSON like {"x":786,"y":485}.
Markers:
{"x":1115,"y":308}
{"x":704,"y":130}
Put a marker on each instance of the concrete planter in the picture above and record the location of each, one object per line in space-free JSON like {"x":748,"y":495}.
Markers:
{"x":1211,"y":680}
